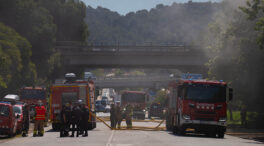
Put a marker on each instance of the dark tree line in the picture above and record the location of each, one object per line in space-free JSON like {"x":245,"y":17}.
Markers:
{"x":39,"y":23}
{"x":177,"y":23}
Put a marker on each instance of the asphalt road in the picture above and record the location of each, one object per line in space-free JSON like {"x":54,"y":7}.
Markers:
{"x":103,"y":136}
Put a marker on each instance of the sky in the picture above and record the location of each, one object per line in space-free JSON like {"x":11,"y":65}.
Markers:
{"x":125,"y":6}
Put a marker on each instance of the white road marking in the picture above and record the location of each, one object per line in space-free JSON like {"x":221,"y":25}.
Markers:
{"x":110,"y":138}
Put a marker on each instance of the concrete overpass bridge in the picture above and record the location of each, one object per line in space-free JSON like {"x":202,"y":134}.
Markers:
{"x":155,"y":82}
{"x":185,"y":58}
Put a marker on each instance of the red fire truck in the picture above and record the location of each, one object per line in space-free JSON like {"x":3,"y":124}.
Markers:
{"x":71,"y":92}
{"x":199,"y":106}
{"x":138,"y":100}
{"x":31,"y":96}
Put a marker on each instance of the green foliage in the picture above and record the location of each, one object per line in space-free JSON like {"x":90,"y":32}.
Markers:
{"x":236,"y":118}
{"x":98,"y":72}
{"x":15,"y":64}
{"x":41,"y":22}
{"x":161,"y":97}
{"x":255,"y":12}
{"x":235,"y":57}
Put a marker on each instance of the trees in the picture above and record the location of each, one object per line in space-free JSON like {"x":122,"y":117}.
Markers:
{"x":255,"y":12}
{"x":41,"y":22}
{"x":236,"y":57}
{"x":15,"y":64}
{"x":161,"y":25}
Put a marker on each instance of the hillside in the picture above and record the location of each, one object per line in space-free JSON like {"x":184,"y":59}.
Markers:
{"x":161,"y":25}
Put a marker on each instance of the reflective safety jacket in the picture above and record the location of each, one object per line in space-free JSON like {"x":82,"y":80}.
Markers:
{"x":40,"y":113}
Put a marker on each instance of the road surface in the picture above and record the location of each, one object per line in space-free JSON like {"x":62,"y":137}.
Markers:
{"x":103,"y":136}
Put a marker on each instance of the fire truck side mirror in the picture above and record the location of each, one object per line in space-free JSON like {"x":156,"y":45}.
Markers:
{"x":230,"y":94}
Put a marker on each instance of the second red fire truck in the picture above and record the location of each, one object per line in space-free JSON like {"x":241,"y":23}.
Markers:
{"x":71,"y":91}
{"x":198,"y":105}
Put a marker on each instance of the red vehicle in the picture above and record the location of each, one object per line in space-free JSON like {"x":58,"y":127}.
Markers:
{"x":156,"y":110}
{"x":18,"y":109}
{"x":8,"y":120}
{"x":31,"y":95}
{"x":138,"y":100}
{"x":71,"y":92}
{"x":199,"y":105}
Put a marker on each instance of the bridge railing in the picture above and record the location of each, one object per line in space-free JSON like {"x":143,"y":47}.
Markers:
{"x":137,"y":78}
{"x":76,"y":46}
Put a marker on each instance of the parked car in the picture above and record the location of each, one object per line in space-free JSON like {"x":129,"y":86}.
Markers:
{"x":107,"y":108}
{"x":99,"y":107}
{"x":8,"y":120}
{"x":18,"y":108}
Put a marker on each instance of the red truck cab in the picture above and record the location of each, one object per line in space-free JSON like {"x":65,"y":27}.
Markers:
{"x":138,"y":100}
{"x":8,"y":120}
{"x":71,"y":92}
{"x":199,"y":105}
{"x":31,"y":96}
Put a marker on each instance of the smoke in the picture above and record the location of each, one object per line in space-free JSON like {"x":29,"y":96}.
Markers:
{"x":230,"y":43}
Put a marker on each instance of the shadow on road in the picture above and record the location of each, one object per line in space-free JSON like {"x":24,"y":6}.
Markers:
{"x":52,"y":130}
{"x":194,"y":135}
{"x":258,"y":140}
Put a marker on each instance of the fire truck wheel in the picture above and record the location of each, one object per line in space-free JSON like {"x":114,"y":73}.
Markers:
{"x":181,"y":131}
{"x":11,"y":133}
{"x":168,"y":126}
{"x":221,"y":135}
{"x":211,"y":134}
{"x":55,"y":127}
{"x":175,"y":130}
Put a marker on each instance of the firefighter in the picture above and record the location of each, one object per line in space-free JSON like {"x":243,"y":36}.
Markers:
{"x":68,"y":118}
{"x":25,"y":121}
{"x":118,"y":115}
{"x":85,"y":118}
{"x":113,"y":116}
{"x":39,"y":119}
{"x":129,"y":114}
{"x":76,"y":119}
{"x":63,"y":122}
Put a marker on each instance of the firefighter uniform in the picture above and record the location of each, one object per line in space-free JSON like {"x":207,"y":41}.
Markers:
{"x":76,"y":120}
{"x":25,"y":125}
{"x":64,"y":129}
{"x":39,"y":120}
{"x":113,"y":116}
{"x":118,"y":115}
{"x":129,"y":114}
{"x":84,"y":121}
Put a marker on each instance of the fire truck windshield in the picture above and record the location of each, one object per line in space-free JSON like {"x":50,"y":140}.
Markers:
{"x":4,"y":110}
{"x":206,"y":93}
{"x":68,"y":97}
